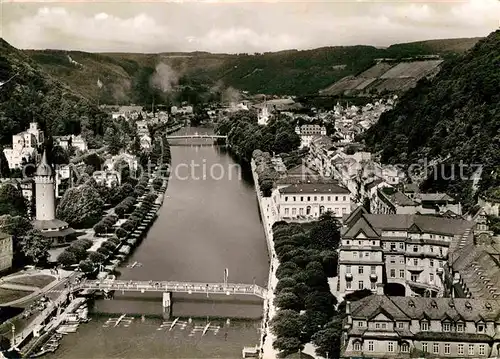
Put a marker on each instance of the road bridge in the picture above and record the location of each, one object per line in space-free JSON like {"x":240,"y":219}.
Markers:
{"x":197,"y":135}
{"x":173,"y":287}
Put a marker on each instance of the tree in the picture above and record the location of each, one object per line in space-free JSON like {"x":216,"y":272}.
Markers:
{"x":286,"y":323}
{"x":128,"y":225}
{"x":266,"y":187}
{"x":287,"y":300}
{"x":79,"y":251}
{"x":35,"y":246}
{"x":325,"y":234}
{"x":81,"y":206}
{"x":112,"y":141}
{"x":96,"y":257}
{"x":288,"y":345}
{"x":86,"y":266}
{"x":100,"y":228}
{"x":327,"y":340}
{"x":67,"y":258}
{"x":12,"y":201}
{"x":121,"y":233}
{"x":285,"y":283}
{"x":4,"y":165}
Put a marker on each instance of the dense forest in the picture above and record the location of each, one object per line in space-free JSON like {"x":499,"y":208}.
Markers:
{"x":199,"y":76}
{"x":453,"y":119}
{"x":28,"y":94}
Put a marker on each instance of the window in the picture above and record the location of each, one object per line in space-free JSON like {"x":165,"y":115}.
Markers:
{"x":390,"y":347}
{"x":308,"y":198}
{"x":431,"y":263}
{"x":315,"y":198}
{"x":425,"y":347}
{"x":393,"y":260}
{"x":401,"y":246}
{"x":377,"y":325}
{"x":286,"y":211}
{"x":367,"y":254}
{"x":424,"y":326}
{"x":393,"y":246}
{"x":355,"y":254}
{"x":481,"y":349}
{"x":401,"y":273}
{"x":405,"y":347}
{"x":432,"y":249}
{"x":321,"y":209}
{"x":373,"y":285}
{"x":360,"y":270}
{"x":294,"y":211}
{"x":446,"y":327}
{"x":414,"y":277}
{"x":471,"y":349}
{"x":372,"y":269}
{"x":308,"y":210}
{"x":460,"y":349}
{"x":460,"y":327}
{"x":447,"y":349}
{"x":360,"y":324}
{"x":348,"y":285}
{"x":435,"y":348}
{"x":480,"y":328}
{"x":431,"y":277}
{"x":348,"y":269}
{"x":344,"y":198}
{"x":401,"y":325}
{"x":415,"y":261}
{"x":370,"y":346}
{"x":336,"y":198}
{"x":322,"y":198}
{"x":301,"y":211}
{"x":393,"y":273}
{"x":357,"y":346}
{"x":301,"y":198}
{"x":286,"y":198}
{"x":415,"y":248}
{"x":329,"y":198}
{"x":344,"y":210}
{"x":360,"y":285}
{"x":294,"y":198}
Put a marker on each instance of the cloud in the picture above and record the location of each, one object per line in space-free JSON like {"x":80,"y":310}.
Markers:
{"x":241,"y":26}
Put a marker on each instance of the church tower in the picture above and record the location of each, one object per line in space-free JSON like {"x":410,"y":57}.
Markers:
{"x":44,"y":191}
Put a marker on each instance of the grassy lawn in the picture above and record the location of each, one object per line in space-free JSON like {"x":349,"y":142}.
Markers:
{"x":8,"y":295}
{"x":38,"y":281}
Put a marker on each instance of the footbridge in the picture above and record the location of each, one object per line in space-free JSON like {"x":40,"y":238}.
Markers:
{"x":173,"y":287}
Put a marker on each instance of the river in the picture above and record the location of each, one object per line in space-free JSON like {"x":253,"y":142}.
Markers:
{"x":206,"y":224}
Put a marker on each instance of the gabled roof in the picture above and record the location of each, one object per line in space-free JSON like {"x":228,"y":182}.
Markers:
{"x":311,"y":188}
{"x":361,"y":225}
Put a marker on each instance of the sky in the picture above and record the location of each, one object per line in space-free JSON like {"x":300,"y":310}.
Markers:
{"x":238,"y":26}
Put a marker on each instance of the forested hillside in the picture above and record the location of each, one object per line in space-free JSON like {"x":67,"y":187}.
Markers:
{"x":456,"y":115}
{"x":28,"y":94}
{"x":127,"y":77}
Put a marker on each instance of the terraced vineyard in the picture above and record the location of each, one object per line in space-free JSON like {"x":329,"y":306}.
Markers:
{"x":384,"y":77}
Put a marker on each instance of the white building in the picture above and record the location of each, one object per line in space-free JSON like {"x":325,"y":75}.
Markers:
{"x":145,"y":142}
{"x":263,"y":116}
{"x":185,"y":110}
{"x":142,"y":128}
{"x":108,"y":178}
{"x":307,"y":132}
{"x":77,"y":142}
{"x":308,"y":201}
{"x":24,"y":146}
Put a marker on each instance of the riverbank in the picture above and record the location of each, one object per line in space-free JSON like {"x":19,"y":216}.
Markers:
{"x":268,"y":218}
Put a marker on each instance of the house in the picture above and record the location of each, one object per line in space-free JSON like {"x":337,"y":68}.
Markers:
{"x":388,"y":200}
{"x":24,"y":146}
{"x":6,"y":251}
{"x":145,"y":142}
{"x":77,"y":142}
{"x":437,"y":203}
{"x":491,"y":205}
{"x":306,"y":133}
{"x":380,"y":326}
{"x":308,"y":201}
{"x":408,"y":250}
{"x":142,"y":128}
{"x":108,"y":178}
{"x":263,"y":116}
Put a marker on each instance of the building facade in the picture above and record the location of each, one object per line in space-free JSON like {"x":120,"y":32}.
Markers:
{"x":307,"y":132}
{"x":308,"y":201}
{"x":6,"y":251}
{"x":24,"y":146}
{"x":411,"y":251}
{"x":401,"y":327}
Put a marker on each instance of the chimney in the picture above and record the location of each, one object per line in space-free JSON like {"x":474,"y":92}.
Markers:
{"x":348,"y":308}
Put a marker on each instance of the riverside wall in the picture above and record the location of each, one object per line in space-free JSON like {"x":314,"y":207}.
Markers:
{"x":266,"y":342}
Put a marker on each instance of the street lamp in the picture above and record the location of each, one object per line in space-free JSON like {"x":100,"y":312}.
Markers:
{"x":226,"y":275}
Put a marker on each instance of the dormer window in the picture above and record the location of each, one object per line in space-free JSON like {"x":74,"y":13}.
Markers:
{"x":480,"y":328}
{"x":424,"y":326}
{"x":446,"y":327}
{"x":460,"y":327}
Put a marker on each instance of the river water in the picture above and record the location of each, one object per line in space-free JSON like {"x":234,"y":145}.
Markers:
{"x":209,"y":221}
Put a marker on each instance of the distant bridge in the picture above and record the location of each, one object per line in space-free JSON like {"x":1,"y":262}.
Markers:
{"x":196,"y":135}
{"x":173,"y":287}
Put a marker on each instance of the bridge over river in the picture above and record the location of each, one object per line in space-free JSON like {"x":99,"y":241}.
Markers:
{"x":196,"y":135}
{"x":173,"y":287}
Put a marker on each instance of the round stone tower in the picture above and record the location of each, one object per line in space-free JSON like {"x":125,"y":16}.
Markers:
{"x":44,"y":191}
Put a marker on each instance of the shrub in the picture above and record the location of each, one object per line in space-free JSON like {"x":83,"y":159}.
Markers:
{"x":86,"y":266}
{"x":110,"y":246}
{"x":79,"y":251}
{"x":96,"y":257}
{"x":121,"y":233}
{"x":104,"y":251}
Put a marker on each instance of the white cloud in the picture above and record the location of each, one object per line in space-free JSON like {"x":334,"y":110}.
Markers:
{"x":243,"y":27}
